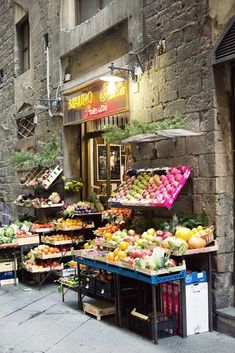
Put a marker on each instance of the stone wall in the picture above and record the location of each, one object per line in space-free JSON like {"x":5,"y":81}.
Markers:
{"x":181,"y":81}
{"x":7,"y":96}
{"x":19,"y":94}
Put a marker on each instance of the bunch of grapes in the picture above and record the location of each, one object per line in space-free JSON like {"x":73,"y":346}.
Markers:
{"x":72,"y":184}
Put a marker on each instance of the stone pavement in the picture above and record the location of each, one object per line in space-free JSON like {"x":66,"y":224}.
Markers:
{"x":38,"y":322}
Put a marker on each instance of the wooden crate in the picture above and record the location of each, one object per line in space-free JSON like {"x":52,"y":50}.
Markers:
{"x":4,"y":282}
{"x":99,"y":308}
{"x":28,"y":240}
{"x":7,"y":266}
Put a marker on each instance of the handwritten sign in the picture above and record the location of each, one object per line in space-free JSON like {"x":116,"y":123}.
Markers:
{"x":95,"y":101}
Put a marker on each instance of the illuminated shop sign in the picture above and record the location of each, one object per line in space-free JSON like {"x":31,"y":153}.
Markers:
{"x":96,"y":101}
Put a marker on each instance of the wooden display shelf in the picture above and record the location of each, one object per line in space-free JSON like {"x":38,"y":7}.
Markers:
{"x":207,"y":249}
{"x":56,"y":242}
{"x":44,"y":269}
{"x":40,"y":207}
{"x":9,"y":245}
{"x":28,"y":240}
{"x":67,"y":229}
{"x":53,"y":256}
{"x":43,"y":230}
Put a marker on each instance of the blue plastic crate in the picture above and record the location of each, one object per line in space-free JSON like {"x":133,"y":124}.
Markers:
{"x":195,"y":277}
{"x":6,"y":275}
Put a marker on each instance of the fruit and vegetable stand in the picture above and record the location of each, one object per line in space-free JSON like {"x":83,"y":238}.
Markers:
{"x":152,"y":280}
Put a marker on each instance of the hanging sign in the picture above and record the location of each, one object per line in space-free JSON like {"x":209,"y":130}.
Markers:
{"x":95,"y":101}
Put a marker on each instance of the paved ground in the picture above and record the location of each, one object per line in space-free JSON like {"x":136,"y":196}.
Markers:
{"x":38,"y":322}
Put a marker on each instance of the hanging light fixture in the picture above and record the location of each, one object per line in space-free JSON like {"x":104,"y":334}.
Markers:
{"x":134,"y":73}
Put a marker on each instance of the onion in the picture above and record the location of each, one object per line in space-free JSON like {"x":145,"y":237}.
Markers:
{"x":196,"y":242}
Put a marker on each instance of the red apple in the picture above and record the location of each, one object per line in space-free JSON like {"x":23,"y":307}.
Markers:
{"x":167,"y":235}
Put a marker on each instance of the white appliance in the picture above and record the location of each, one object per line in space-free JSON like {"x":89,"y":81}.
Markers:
{"x":197,"y":308}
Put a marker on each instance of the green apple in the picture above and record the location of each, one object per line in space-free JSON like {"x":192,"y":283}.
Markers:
{"x":144,"y":235}
{"x":151,"y":231}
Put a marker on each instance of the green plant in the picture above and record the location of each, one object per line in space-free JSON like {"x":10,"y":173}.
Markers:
{"x":114,"y":133}
{"x":45,"y":157}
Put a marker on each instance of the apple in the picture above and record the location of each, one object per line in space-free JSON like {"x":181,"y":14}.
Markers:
{"x":174,"y":170}
{"x":144,"y":235}
{"x":150,"y":238}
{"x":158,"y":240}
{"x":131,"y":232}
{"x":159,"y":233}
{"x":136,"y":237}
{"x":175,"y":183}
{"x":151,"y":231}
{"x":178,"y":177}
{"x":167,"y":235}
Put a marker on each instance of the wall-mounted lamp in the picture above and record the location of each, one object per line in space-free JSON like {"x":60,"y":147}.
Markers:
{"x":134,"y":73}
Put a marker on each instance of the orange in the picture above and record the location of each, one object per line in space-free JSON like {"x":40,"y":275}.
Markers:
{"x":116,"y":258}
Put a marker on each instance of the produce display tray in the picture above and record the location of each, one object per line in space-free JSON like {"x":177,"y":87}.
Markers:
{"x":88,"y":226}
{"x":211,"y":248}
{"x":161,"y":271}
{"x":28,"y":240}
{"x":54,"y":242}
{"x":44,"y":269}
{"x":87,"y":214}
{"x":53,"y":256}
{"x":105,"y":244}
{"x":39,"y":207}
{"x":46,"y":183}
{"x":131,"y":273}
{"x":43,"y":230}
{"x":166,"y":202}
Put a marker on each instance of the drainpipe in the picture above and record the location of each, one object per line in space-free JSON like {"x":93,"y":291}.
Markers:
{"x":48,"y":82}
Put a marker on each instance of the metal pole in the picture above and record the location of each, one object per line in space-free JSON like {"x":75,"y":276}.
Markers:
{"x":108,"y":181}
{"x":154,"y":323}
{"x":210,"y":309}
{"x":183,"y":307}
{"x":79,"y":288}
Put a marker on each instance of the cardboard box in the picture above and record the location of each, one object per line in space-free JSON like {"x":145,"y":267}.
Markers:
{"x":195,"y":277}
{"x":197,"y":308}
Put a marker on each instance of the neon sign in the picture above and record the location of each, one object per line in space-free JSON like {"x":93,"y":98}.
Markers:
{"x":95,"y":101}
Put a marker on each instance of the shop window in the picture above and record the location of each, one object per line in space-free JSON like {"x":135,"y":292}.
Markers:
{"x":25,"y":127}
{"x":87,"y":9}
{"x":23,"y":42}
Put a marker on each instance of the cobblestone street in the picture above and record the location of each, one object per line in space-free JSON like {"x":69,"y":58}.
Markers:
{"x":34,"y":321}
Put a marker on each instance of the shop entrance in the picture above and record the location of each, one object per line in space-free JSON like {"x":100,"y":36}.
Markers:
{"x":102,"y":174}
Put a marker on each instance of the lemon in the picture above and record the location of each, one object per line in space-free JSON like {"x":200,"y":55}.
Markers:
{"x":199,"y":228}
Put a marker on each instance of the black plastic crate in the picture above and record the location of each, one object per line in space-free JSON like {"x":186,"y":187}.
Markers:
{"x":88,"y":280}
{"x":166,"y":325}
{"x":105,"y":288}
